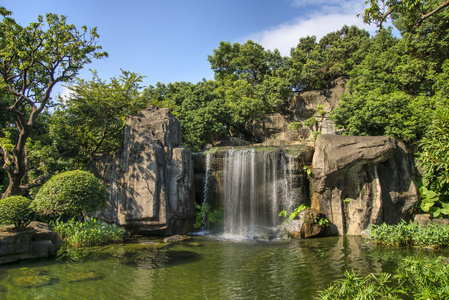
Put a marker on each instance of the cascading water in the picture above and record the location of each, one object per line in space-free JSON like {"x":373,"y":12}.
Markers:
{"x":254,"y":186}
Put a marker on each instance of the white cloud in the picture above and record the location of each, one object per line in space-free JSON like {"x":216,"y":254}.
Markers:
{"x":65,"y":93}
{"x":332,"y":16}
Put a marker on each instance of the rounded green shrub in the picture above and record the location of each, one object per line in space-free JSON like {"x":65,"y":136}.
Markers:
{"x":15,"y":210}
{"x":69,"y":195}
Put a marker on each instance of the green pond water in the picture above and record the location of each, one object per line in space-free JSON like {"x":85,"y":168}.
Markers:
{"x":201,"y":268}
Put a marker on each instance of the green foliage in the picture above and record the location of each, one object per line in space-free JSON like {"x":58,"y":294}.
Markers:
{"x":414,"y":278}
{"x":295,"y":125}
{"x":69,"y":195}
{"x":89,"y":233}
{"x":34,"y":59}
{"x":307,"y":169}
{"x":205,"y":214}
{"x":353,"y":286}
{"x":424,"y":277}
{"x":415,"y":10}
{"x":291,"y":216}
{"x":15,"y":210}
{"x":323,"y":222}
{"x":411,"y":234}
{"x":434,"y":161}
{"x":314,"y":64}
{"x":311,"y":122}
{"x":91,"y":119}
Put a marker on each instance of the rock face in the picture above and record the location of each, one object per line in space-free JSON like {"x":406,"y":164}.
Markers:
{"x":307,"y":225}
{"x":150,"y":182}
{"x":358,"y":181}
{"x":273,"y":129}
{"x":36,"y":241}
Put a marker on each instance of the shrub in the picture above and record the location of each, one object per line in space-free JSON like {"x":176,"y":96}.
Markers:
{"x":15,"y":210}
{"x":89,"y":233}
{"x":68,"y":195}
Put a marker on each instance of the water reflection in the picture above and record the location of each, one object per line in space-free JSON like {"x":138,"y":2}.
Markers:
{"x":201,"y":269}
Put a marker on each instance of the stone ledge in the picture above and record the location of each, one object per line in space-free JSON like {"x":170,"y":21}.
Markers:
{"x":36,"y":241}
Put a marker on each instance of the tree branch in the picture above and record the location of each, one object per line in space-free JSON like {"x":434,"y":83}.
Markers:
{"x":440,"y":7}
{"x":385,"y":15}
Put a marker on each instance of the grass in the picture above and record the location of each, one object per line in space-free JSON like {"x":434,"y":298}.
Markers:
{"x":89,"y":233}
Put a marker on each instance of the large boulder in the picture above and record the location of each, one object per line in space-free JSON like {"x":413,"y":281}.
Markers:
{"x":358,"y":181}
{"x":36,"y":241}
{"x":150,"y":181}
{"x":306,"y":225}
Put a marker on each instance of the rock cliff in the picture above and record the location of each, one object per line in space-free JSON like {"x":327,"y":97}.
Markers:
{"x":358,"y":181}
{"x":150,"y":181}
{"x":273,"y":128}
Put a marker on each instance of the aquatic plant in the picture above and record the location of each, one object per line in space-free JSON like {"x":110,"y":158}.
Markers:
{"x":411,"y":234}
{"x":353,"y":286}
{"x":415,"y":278}
{"x":15,"y":210}
{"x":89,"y":233}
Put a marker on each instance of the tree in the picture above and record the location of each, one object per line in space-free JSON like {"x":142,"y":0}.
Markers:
{"x":91,"y":119}
{"x":33,"y":60}
{"x":314,"y":64}
{"x":198,"y":107}
{"x":379,"y":10}
{"x":248,"y":61}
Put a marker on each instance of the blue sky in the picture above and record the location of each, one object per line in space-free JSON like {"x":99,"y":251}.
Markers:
{"x":169,"y":40}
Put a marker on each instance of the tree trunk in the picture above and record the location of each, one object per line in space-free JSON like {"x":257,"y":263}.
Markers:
{"x":16,"y":166}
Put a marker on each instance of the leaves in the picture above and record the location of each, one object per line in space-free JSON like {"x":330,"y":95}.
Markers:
{"x":33,"y":60}
{"x":91,"y":119}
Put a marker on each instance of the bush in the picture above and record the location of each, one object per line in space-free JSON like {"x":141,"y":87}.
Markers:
{"x":68,"y":195}
{"x":15,"y":210}
{"x":90,"y":233}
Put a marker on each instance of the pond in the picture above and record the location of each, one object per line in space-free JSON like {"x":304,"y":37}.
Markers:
{"x":202,"y":268}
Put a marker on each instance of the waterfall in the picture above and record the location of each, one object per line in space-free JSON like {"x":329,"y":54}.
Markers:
{"x":255,"y":185}
{"x":206,"y":190}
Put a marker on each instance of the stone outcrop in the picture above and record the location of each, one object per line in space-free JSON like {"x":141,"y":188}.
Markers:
{"x":273,"y":128}
{"x":358,"y":181}
{"x":35,"y":241}
{"x":150,"y":181}
{"x":306,"y":225}
{"x":424,"y":220}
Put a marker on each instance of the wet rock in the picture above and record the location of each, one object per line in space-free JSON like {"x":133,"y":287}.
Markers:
{"x":366,"y":234}
{"x":307,"y":225}
{"x":150,"y":243}
{"x":31,"y":278}
{"x":176,"y":238}
{"x":83,"y":276}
